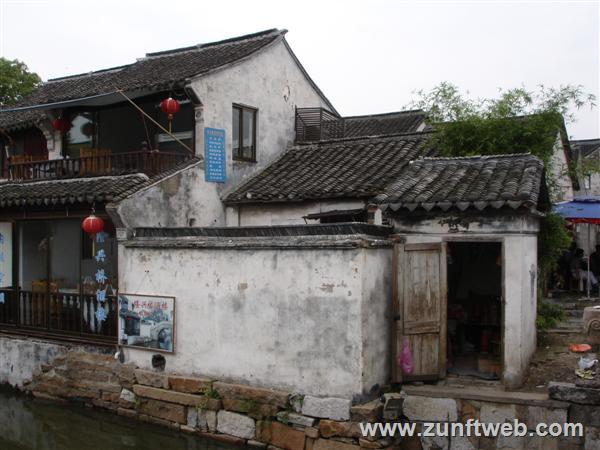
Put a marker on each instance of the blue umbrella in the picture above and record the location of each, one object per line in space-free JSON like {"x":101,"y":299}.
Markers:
{"x":581,"y":210}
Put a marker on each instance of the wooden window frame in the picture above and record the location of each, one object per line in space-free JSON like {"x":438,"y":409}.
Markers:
{"x":238,"y":154}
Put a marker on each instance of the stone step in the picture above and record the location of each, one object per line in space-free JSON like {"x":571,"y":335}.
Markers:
{"x":484,"y":394}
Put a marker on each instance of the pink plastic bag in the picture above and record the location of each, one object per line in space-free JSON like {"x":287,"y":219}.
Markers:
{"x":405,"y":360}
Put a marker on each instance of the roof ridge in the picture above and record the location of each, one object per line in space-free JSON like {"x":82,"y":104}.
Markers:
{"x":576,"y":141}
{"x":245,"y":37}
{"x":361,"y":138}
{"x":90,"y":73}
{"x":459,"y":158}
{"x":140,"y":175}
{"x":391,"y":113}
{"x":164,"y":53}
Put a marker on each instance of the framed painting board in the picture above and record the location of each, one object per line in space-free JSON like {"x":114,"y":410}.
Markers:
{"x":147,"y":322}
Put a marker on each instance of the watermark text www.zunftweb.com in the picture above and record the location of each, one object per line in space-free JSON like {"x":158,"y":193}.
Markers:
{"x":469,"y":428}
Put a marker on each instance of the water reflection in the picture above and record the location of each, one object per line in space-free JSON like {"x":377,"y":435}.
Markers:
{"x":26,"y":424}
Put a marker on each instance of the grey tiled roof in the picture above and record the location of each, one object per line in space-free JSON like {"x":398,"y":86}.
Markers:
{"x":478,"y":181}
{"x":384,"y":124}
{"x":80,"y":190}
{"x":76,"y":190}
{"x":397,"y":172}
{"x":15,"y":120}
{"x":584,"y":147}
{"x":342,"y":168}
{"x":156,"y":71}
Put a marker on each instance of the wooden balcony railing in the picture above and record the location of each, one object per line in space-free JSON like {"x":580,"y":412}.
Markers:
{"x":59,"y":313}
{"x":149,"y":162}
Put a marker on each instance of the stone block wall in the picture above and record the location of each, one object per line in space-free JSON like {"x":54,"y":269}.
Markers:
{"x":420,"y":409}
{"x":276,"y":419}
{"x":227,"y":412}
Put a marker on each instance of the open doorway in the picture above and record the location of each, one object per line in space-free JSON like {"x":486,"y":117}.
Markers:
{"x":475,"y":309}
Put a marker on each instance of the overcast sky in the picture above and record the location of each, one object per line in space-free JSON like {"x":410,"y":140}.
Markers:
{"x":366,"y":56}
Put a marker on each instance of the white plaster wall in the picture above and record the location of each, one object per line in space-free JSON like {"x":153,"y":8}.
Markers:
{"x":290,"y":319}
{"x":180,"y":200}
{"x":270,"y":81}
{"x":20,"y":358}
{"x":376,"y":317}
{"x":520,"y":285}
{"x":529,"y":284}
{"x":284,"y":213}
{"x":464,"y":225}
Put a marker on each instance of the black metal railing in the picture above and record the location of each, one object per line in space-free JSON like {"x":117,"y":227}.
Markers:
{"x":315,"y":124}
{"x":59,"y":313}
{"x":147,"y":162}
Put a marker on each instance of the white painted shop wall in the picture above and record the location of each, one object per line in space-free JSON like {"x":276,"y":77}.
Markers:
{"x":311,"y":320}
{"x":518,"y":237}
{"x":284,"y":213}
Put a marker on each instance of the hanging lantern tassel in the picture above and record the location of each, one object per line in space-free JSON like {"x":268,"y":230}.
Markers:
{"x":170,"y":107}
{"x":92,"y":225}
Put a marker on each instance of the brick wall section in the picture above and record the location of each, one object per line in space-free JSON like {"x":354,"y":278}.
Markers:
{"x":273,"y":419}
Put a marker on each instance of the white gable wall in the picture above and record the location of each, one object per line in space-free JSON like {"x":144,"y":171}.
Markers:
{"x":270,"y":81}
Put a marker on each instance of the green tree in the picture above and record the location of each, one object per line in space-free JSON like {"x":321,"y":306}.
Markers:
{"x":517,"y":121}
{"x":16,"y":81}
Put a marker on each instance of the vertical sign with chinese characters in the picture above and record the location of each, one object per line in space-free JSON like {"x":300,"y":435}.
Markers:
{"x":6,"y":268}
{"x":215,"y":157}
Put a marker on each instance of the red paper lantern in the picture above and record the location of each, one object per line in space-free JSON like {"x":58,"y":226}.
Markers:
{"x":61,"y":125}
{"x":170,"y":106}
{"x":92,"y":224}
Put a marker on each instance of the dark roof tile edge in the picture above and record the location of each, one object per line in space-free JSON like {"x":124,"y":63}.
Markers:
{"x":414,"y":134}
{"x":165,"y":53}
{"x":346,"y":228}
{"x":407,"y":112}
{"x":201,"y":46}
{"x":474,"y":157}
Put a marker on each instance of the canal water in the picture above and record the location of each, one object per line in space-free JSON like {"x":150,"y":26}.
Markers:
{"x":27,"y":424}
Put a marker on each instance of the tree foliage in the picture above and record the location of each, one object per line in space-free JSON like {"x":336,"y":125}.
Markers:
{"x":517,"y":121}
{"x":16,"y":81}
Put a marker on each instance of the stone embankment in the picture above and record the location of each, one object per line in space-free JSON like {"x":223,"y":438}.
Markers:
{"x":227,"y":412}
{"x":275,"y":419}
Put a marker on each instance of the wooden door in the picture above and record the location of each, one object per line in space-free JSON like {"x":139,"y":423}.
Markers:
{"x":420,"y":309}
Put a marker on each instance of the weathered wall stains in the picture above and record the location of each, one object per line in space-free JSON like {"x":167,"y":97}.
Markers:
{"x":21,"y":358}
{"x":302,"y":319}
{"x":181,"y":200}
